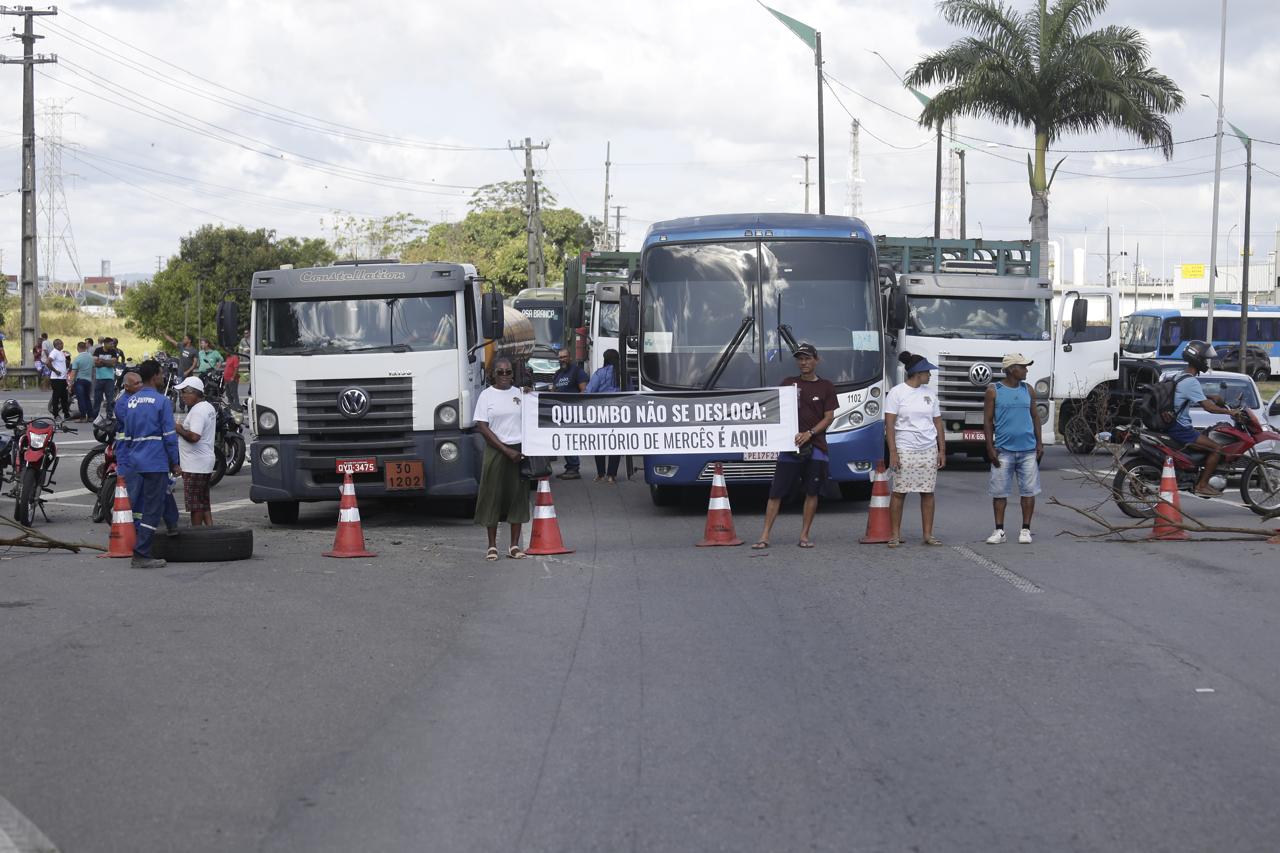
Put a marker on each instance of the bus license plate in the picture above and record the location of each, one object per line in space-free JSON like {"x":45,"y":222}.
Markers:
{"x":761,"y":456}
{"x":405,"y":474}
{"x":368,"y":465}
{"x":974,"y":435}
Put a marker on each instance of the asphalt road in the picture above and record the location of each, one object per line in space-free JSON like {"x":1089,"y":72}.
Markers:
{"x":643,"y":694}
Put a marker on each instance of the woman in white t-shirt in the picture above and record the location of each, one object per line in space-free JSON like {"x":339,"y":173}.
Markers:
{"x":917,"y":445}
{"x":503,"y":495}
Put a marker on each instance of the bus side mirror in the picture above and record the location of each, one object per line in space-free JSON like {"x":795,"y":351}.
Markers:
{"x":491,"y":315}
{"x":886,"y":275}
{"x":897,"y":312}
{"x":1079,"y":316}
{"x":628,"y":315}
{"x":228,"y":324}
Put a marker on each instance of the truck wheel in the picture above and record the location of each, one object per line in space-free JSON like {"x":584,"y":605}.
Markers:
{"x":664,"y":495}
{"x":216,"y":543}
{"x":282,"y":512}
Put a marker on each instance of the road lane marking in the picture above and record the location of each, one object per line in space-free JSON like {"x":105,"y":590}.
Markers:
{"x":229,"y":505}
{"x":20,"y":835}
{"x":996,"y":569}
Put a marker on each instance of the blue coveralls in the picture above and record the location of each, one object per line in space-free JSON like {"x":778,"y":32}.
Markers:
{"x":147,"y":449}
{"x":132,"y":481}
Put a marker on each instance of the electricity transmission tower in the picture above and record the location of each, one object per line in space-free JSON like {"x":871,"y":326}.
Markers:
{"x":951,"y":186}
{"x":58,"y":236}
{"x":853,"y":201}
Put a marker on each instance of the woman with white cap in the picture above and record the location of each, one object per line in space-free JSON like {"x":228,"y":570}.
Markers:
{"x":917,"y":445}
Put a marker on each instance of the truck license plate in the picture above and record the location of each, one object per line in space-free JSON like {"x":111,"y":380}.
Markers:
{"x":405,"y":474}
{"x":761,"y":456}
{"x":368,"y":465}
{"x":974,"y":435}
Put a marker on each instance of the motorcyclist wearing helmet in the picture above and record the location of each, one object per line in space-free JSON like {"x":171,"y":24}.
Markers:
{"x":1197,"y":355}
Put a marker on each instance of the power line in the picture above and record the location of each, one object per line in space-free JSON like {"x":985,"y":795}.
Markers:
{"x":863,"y":127}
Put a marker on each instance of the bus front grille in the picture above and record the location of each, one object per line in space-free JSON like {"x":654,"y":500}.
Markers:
{"x":738,"y":471}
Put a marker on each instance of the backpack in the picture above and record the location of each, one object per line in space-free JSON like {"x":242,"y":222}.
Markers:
{"x":1155,"y":407}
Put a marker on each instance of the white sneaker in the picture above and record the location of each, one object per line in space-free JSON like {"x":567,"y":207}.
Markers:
{"x":997,"y":538}
{"x":1025,"y":536}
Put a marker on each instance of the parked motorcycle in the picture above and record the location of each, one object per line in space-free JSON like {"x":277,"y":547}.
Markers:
{"x":230,"y":447}
{"x":1136,"y":488}
{"x":29,"y":460}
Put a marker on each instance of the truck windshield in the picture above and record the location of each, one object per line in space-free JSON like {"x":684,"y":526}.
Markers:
{"x":978,"y":317}
{"x":547,"y":321}
{"x":323,"y":326}
{"x":697,"y":295}
{"x":1143,"y":335}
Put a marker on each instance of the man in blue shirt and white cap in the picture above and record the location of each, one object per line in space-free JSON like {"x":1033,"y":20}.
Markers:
{"x":1013,"y":444}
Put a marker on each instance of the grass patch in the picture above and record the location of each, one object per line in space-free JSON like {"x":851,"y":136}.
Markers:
{"x":75,"y":325}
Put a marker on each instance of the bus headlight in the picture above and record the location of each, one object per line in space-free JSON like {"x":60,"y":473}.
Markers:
{"x":1042,"y":388}
{"x":270,"y":457}
{"x":875,"y":391}
{"x":872,"y":408}
{"x":449,"y":450}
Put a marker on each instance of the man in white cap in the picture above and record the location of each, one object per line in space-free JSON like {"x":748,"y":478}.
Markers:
{"x":196,"y":449}
{"x":1013,"y":444}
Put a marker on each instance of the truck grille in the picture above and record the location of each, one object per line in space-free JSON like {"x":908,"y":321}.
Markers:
{"x":386,"y":430}
{"x":957,"y":395}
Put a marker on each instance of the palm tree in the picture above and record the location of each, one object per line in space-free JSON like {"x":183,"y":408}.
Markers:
{"x":1047,"y":70}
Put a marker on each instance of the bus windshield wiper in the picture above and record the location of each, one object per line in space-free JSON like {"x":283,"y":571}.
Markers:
{"x":723,"y":361}
{"x":788,"y":336}
{"x":384,"y":347}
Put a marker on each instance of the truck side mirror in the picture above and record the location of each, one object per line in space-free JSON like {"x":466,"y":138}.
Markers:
{"x":1079,"y":316}
{"x":628,"y":315}
{"x":575,"y":314}
{"x":228,"y":323}
{"x":897,"y":309}
{"x":491,"y":315}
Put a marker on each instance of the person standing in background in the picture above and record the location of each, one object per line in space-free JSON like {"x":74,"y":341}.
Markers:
{"x":82,"y":380}
{"x":56,"y":360}
{"x":569,"y":379}
{"x":503,"y":496}
{"x":152,"y":455}
{"x":105,"y":358}
{"x":208,"y":358}
{"x":231,"y":380}
{"x":917,"y":445}
{"x":605,"y":381}
{"x":196,"y":449}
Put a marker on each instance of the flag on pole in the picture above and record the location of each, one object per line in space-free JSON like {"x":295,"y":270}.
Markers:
{"x":1244,"y":137}
{"x":804,"y":32}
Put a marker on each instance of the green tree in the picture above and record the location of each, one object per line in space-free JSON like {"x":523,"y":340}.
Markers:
{"x":1048,"y":71}
{"x":507,"y":194}
{"x":378,"y":237}
{"x":210,"y":261}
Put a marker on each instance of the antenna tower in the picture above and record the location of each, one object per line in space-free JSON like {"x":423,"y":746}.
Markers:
{"x":58,"y":236}
{"x":853,"y":202}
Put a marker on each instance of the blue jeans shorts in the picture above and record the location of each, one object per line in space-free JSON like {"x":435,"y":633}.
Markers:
{"x":1024,"y":463}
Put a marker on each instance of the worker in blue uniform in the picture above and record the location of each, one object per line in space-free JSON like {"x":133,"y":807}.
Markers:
{"x":150,"y":445}
{"x":132,"y":482}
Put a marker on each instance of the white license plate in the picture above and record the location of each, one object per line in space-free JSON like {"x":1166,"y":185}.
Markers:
{"x":974,"y":435}
{"x":761,"y":456}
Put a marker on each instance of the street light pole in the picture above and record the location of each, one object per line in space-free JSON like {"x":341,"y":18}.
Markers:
{"x":1217,"y":177}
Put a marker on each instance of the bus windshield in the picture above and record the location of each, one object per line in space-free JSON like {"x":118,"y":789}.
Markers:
{"x":699,"y":297}
{"x":978,"y":317}
{"x":1143,"y":335}
{"x":547,"y":320}
{"x":324,"y":326}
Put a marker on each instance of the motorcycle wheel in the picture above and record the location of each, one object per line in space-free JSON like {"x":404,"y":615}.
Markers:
{"x":235,"y":451}
{"x":1136,"y":489}
{"x":94,"y":468}
{"x":28,"y":497}
{"x":106,"y":500}
{"x":219,"y":465}
{"x":1260,"y":484}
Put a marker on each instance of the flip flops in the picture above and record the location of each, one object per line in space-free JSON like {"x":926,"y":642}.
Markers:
{"x":515,"y":553}
{"x":491,"y":554}
{"x":805,"y":543}
{"x":762,"y":545}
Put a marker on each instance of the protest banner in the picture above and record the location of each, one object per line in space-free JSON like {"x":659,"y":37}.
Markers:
{"x":638,"y":422}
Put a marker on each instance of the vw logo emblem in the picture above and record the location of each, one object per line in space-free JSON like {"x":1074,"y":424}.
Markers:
{"x":353,"y":403}
{"x":980,"y":374}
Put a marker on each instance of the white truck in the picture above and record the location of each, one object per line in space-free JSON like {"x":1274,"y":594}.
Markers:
{"x":964,"y":304}
{"x":372,"y":368}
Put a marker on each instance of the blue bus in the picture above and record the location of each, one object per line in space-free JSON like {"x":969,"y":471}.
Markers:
{"x":1162,"y":333}
{"x":724,"y":298}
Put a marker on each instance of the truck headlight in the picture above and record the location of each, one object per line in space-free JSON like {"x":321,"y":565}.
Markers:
{"x":270,"y":457}
{"x":449,"y":450}
{"x":447,"y":415}
{"x":267,"y":420}
{"x":1042,"y":388}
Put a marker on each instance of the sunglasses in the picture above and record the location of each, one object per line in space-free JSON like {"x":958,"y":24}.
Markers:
{"x":503,"y":372}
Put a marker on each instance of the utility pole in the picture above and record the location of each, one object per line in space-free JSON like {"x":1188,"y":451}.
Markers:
{"x":822,"y":153}
{"x":533,"y":229}
{"x":963,"y":191}
{"x":1247,"y":253}
{"x":617,"y":226}
{"x":806,"y":158}
{"x":605,"y":221}
{"x":28,"y":279}
{"x":1137,"y":255}
{"x":1217,"y":181}
{"x":1108,"y":256}
{"x":855,"y":169}
{"x":937,"y":190}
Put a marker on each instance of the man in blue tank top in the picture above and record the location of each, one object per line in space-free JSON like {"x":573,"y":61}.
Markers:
{"x":1013,"y":444}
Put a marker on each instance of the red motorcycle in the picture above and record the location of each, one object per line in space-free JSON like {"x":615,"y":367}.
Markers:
{"x":1136,"y":489}
{"x":29,"y":461}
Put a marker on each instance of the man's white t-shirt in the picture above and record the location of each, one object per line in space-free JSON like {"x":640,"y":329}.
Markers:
{"x":501,"y":411}
{"x":57,"y":364}
{"x":915,"y":409}
{"x":197,"y":456}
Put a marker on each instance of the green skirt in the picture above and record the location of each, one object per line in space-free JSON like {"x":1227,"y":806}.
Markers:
{"x":503,"y":495}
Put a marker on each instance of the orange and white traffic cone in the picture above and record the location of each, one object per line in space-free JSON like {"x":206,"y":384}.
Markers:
{"x":1169,"y":509}
{"x":879,"y":525}
{"x":546,"y":530}
{"x":123,"y":537}
{"x":349,"y":541}
{"x":719,"y":530}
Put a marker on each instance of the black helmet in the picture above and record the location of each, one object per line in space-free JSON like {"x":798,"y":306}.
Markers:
{"x":11,"y":412}
{"x":1198,"y":353}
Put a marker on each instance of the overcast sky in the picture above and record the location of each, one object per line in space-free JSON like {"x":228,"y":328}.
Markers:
{"x":276,"y":114}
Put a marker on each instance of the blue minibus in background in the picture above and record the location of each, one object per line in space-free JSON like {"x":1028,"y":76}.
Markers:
{"x":1162,"y":333}
{"x":724,"y":299}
